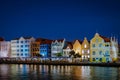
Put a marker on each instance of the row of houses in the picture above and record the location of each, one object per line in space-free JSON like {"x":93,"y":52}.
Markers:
{"x":98,"y":49}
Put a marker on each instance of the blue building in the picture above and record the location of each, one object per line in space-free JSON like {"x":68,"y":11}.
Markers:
{"x":45,"y":47}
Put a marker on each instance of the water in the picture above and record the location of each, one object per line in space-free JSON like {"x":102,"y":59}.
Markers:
{"x":45,"y":72}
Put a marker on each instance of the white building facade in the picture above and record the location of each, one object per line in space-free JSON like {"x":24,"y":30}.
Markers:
{"x":20,"y":47}
{"x":57,"y":47}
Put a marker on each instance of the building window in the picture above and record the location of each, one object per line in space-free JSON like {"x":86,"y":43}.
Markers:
{"x":82,"y":51}
{"x":100,"y":45}
{"x":22,"y":50}
{"x":85,"y":46}
{"x":106,"y":45}
{"x":18,"y":54}
{"x":21,"y":54}
{"x":26,"y":45}
{"x":100,"y":52}
{"x":93,"y":59}
{"x":100,"y":59}
{"x":88,"y":51}
{"x":93,"y":52}
{"x":17,"y":41}
{"x":96,"y":40}
{"x":25,"y":41}
{"x":17,"y":50}
{"x":21,"y":45}
{"x":93,"y":45}
{"x":106,"y":53}
{"x":21,"y":41}
{"x":25,"y":54}
{"x":26,"y":49}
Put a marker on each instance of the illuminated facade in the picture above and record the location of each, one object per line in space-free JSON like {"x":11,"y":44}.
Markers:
{"x":67,"y":49}
{"x":85,"y":50}
{"x":103,"y":49}
{"x":114,"y":50}
{"x":35,"y":49}
{"x":44,"y":47}
{"x":57,"y":47}
{"x":4,"y":49}
{"x":20,"y":47}
{"x":77,"y":46}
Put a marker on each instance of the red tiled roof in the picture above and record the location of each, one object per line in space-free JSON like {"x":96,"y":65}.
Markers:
{"x":1,"y":39}
{"x":43,"y":41}
{"x":105,"y":38}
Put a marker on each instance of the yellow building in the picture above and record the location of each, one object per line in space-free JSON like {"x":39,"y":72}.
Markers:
{"x":100,"y":49}
{"x":85,"y":50}
{"x":77,"y":46}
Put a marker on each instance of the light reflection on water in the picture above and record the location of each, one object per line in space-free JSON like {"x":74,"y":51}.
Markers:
{"x":51,"y":72}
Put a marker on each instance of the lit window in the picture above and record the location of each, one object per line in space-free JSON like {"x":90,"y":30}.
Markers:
{"x":83,"y":51}
{"x":88,"y":51}
{"x":88,"y":56}
{"x":85,"y":46}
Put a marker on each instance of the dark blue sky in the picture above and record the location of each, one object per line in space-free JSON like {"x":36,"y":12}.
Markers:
{"x":70,"y":19}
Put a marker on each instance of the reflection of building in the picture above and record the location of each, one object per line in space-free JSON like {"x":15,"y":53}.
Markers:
{"x":44,"y":47}
{"x":67,"y":49}
{"x":20,"y":47}
{"x":77,"y":46}
{"x":57,"y":47}
{"x":103,"y":49}
{"x":4,"y":48}
{"x":35,"y":49}
{"x":85,"y":50}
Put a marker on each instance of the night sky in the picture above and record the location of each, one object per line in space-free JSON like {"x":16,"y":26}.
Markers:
{"x":70,"y":19}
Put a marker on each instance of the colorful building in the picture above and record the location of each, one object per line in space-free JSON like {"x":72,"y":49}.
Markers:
{"x":67,"y":49}
{"x":77,"y":46}
{"x":4,"y":48}
{"x":85,"y":50}
{"x":57,"y":47}
{"x":103,"y":49}
{"x":20,"y":47}
{"x":35,"y":50}
{"x":44,"y":47}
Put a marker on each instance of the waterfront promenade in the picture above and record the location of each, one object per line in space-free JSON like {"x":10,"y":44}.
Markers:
{"x":58,"y":62}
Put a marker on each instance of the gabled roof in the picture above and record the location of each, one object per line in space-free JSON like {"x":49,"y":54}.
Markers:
{"x":68,"y":44}
{"x":59,"y":40}
{"x":23,"y":37}
{"x":105,"y":38}
{"x":78,"y":41}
